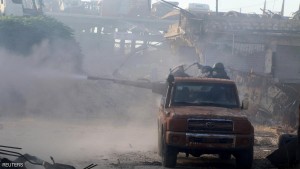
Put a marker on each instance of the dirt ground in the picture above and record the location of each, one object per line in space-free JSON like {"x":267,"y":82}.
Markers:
{"x":80,"y":143}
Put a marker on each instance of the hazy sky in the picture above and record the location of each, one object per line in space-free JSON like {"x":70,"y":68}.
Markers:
{"x":248,"y":6}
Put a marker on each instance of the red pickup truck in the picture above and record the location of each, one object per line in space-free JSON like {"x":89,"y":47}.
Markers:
{"x":203,"y":116}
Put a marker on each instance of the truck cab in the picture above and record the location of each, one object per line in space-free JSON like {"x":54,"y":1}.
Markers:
{"x":204,"y":116}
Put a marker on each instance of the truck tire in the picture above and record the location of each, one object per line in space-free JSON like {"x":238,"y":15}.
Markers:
{"x":244,"y":159}
{"x":169,"y":157}
{"x":169,"y":154}
{"x":160,"y":147}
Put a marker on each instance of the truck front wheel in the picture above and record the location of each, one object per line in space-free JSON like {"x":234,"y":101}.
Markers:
{"x":244,"y":159}
{"x":169,"y":154}
{"x":169,"y":157}
{"x":160,"y":142}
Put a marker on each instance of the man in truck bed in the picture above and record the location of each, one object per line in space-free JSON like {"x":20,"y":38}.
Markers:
{"x":203,"y":116}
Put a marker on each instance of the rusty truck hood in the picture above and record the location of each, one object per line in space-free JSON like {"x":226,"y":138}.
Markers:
{"x":207,"y":111}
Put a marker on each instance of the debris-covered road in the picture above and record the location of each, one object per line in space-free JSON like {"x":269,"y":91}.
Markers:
{"x":113,"y":147}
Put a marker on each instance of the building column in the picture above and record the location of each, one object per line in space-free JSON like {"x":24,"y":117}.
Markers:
{"x":269,"y":57}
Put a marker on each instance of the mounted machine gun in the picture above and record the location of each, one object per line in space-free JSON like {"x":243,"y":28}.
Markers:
{"x":156,"y":87}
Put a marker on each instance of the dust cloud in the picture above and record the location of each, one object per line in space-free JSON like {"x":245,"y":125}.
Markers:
{"x":49,"y":108}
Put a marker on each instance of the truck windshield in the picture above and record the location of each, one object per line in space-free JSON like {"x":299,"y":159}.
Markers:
{"x":205,"y":94}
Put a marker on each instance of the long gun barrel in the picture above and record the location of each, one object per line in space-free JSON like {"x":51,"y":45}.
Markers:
{"x":156,"y":87}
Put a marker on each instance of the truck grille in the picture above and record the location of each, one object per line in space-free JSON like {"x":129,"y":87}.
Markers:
{"x":209,"y":139}
{"x":211,"y":125}
{"x":195,"y":140}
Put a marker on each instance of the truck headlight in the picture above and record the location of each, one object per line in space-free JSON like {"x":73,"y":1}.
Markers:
{"x":177,"y":125}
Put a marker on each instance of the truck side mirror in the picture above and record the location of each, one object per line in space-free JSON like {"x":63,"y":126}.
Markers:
{"x":245,"y":104}
{"x":170,"y":79}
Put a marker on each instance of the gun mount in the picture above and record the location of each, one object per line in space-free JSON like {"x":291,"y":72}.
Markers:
{"x":156,"y":87}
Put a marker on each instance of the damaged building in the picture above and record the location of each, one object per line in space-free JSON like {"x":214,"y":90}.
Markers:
{"x":261,"y":53}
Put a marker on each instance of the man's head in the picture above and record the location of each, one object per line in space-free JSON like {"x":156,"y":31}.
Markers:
{"x":218,"y":67}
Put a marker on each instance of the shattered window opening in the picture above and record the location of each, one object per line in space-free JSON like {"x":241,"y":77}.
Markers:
{"x":205,"y":94}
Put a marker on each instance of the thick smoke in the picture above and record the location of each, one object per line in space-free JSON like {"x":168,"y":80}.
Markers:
{"x":48,"y":107}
